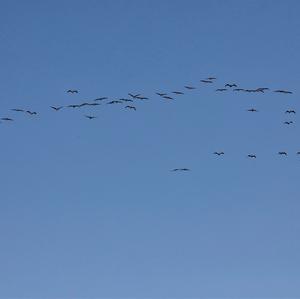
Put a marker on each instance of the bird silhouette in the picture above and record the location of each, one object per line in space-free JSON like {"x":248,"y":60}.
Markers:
{"x":114,"y":102}
{"x":238,"y":89}
{"x":252,"y":156}
{"x":282,"y":153}
{"x":134,"y":96}
{"x":219,"y":153}
{"x":31,"y":112}
{"x":73,"y":106}
{"x":230,"y":85}
{"x":56,"y":108}
{"x":161,"y":94}
{"x":211,"y":78}
{"x":177,"y":92}
{"x":6,"y":119}
{"x":288,"y":122}
{"x":101,"y":99}
{"x":17,"y":110}
{"x":168,"y":98}
{"x":189,"y":87}
{"x":90,"y":117}
{"x":72,"y":91}
{"x":142,"y":98}
{"x":131,"y":107}
{"x":221,"y":89}
{"x":252,"y":110}
{"x":290,"y":111}
{"x":283,"y":91}
{"x":206,"y":81}
{"x":180,"y":169}
{"x":125,"y":100}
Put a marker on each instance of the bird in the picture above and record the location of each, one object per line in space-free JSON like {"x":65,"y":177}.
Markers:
{"x":262,"y":89}
{"x":206,"y":81}
{"x":131,"y":107}
{"x":125,"y":100}
{"x":73,"y":106}
{"x":189,"y":87}
{"x":134,"y":95}
{"x":211,"y":78}
{"x":238,"y":89}
{"x":168,"y":98}
{"x":283,"y":91}
{"x":161,"y":94}
{"x":180,"y":169}
{"x":101,"y":99}
{"x":56,"y":108}
{"x":252,"y":156}
{"x":288,"y":122}
{"x":282,"y":153}
{"x":72,"y":91}
{"x":230,"y":85}
{"x":290,"y":111}
{"x":93,"y":104}
{"x":221,"y":89}
{"x":114,"y":102}
{"x":6,"y":119}
{"x":142,"y":98}
{"x":17,"y":110}
{"x":90,"y":117}
{"x":31,"y":112}
{"x":252,"y":110}
{"x":177,"y":92}
{"x":298,"y":153}
{"x":219,"y":153}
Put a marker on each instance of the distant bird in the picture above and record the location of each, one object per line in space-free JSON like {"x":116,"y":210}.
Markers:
{"x":17,"y":110}
{"x":177,"y":92}
{"x":131,"y":107}
{"x":230,"y":85}
{"x":252,"y":110}
{"x":262,"y":89}
{"x":142,"y":98}
{"x":161,"y":94}
{"x":93,"y":104}
{"x":290,"y":111}
{"x":72,"y":91}
{"x":283,"y":91}
{"x":298,"y":153}
{"x":238,"y":89}
{"x":90,"y":117}
{"x":207,"y":81}
{"x":73,"y":106}
{"x":189,"y":87}
{"x":134,"y":96}
{"x":125,"y":100}
{"x":168,"y":98}
{"x":101,"y":99}
{"x":31,"y":112}
{"x":219,"y":153}
{"x":221,"y":89}
{"x":56,"y":108}
{"x":6,"y":119}
{"x":211,"y":78}
{"x":180,"y":169}
{"x":252,"y":156}
{"x":282,"y":153}
{"x":114,"y":102}
{"x":288,"y":122}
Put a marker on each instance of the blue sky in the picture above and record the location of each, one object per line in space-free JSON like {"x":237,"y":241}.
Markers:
{"x":89,"y":209}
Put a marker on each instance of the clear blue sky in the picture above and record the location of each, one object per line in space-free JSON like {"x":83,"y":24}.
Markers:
{"x":89,"y":209}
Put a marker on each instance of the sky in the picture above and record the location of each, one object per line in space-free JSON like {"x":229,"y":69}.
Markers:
{"x":90,"y":208}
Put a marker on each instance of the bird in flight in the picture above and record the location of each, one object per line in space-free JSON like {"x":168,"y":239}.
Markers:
{"x":72,"y":91}
{"x":131,"y":107}
{"x":114,"y":102}
{"x":168,"y":98}
{"x":90,"y":117}
{"x":180,"y":169}
{"x":189,"y":87}
{"x":177,"y":92}
{"x":230,"y":85}
{"x":221,"y":89}
{"x":282,"y":153}
{"x":238,"y":89}
{"x":252,"y":156}
{"x":18,"y":110}
{"x":73,"y":106}
{"x":125,"y":100}
{"x":142,"y":98}
{"x":290,"y":111}
{"x":56,"y":108}
{"x":252,"y":110}
{"x":219,"y":153}
{"x":100,"y":99}
{"x":298,"y":153}
{"x":262,"y":89}
{"x":31,"y":112}
{"x":206,"y":81}
{"x":288,"y":122}
{"x":134,"y":96}
{"x":283,"y":91}
{"x":161,"y":94}
{"x":6,"y":119}
{"x":211,"y":78}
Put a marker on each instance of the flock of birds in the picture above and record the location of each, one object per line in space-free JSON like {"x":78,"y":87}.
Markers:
{"x":130,"y":105}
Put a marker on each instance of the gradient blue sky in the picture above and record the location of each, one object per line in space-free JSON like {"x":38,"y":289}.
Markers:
{"x":89,"y":209}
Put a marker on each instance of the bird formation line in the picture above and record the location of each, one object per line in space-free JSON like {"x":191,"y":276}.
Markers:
{"x":164,"y":96}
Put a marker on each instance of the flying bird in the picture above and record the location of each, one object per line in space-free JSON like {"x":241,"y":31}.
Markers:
{"x":142,"y":98}
{"x":72,"y":91}
{"x":31,"y":112}
{"x":288,"y":122}
{"x":90,"y":117}
{"x":114,"y":102}
{"x":283,"y":91}
{"x":206,"y":81}
{"x":125,"y":100}
{"x":56,"y":108}
{"x":161,"y":94}
{"x":211,"y":78}
{"x":290,"y":111}
{"x":189,"y":87}
{"x":131,"y":107}
{"x":73,"y":106}
{"x":180,"y":169}
{"x":17,"y":110}
{"x":221,"y":89}
{"x":177,"y":92}
{"x":252,"y":110}
{"x":134,"y":96}
{"x":230,"y":85}
{"x":101,"y":99}
{"x":168,"y":98}
{"x":282,"y":153}
{"x":219,"y":153}
{"x":238,"y":89}
{"x":252,"y":156}
{"x":6,"y":119}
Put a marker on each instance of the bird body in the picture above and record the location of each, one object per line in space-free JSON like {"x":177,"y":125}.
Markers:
{"x":219,"y":153}
{"x":72,"y":91}
{"x":131,"y":107}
